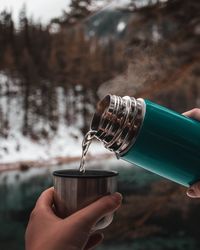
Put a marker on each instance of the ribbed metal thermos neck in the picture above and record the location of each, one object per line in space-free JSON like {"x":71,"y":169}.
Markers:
{"x":117,"y":121}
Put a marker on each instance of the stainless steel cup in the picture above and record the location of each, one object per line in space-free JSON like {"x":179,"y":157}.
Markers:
{"x":75,"y":190}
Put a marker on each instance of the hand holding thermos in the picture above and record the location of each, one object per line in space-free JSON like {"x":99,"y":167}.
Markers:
{"x":194,"y":190}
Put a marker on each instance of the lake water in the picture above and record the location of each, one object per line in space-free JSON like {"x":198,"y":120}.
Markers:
{"x":155,"y":215}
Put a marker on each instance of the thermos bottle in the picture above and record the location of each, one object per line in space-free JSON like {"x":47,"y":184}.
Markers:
{"x":150,"y":136}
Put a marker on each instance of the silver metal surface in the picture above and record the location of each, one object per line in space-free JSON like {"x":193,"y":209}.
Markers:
{"x":117,"y":122}
{"x":74,"y":193}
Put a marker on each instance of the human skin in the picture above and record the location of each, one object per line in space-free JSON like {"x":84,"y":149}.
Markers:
{"x":46,"y":231}
{"x":194,"y":190}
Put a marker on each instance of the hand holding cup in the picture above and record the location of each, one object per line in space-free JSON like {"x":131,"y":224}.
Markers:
{"x":75,"y":190}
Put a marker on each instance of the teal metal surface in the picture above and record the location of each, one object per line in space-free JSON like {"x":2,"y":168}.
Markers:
{"x":168,"y":144}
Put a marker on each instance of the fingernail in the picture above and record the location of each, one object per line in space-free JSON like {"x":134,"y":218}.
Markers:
{"x":117,"y":197}
{"x":191,"y":193}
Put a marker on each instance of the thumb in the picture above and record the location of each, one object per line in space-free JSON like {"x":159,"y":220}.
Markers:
{"x":194,"y":114}
{"x":89,"y":215}
{"x":194,"y":190}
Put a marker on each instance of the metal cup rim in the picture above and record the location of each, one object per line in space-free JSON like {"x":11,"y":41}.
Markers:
{"x":75,"y":173}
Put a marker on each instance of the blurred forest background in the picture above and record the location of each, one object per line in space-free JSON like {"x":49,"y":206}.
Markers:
{"x":51,"y":77}
{"x":55,"y":73}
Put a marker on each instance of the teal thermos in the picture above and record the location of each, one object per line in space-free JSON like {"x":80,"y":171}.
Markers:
{"x":150,"y":136}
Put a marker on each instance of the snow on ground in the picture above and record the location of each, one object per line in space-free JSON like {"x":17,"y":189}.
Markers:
{"x":66,"y":142}
{"x":121,"y":26}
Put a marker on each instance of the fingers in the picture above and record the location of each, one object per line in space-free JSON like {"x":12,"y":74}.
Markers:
{"x":94,"y":240}
{"x":89,"y":215}
{"x":194,"y":190}
{"x":45,"y":201}
{"x":194,"y":113}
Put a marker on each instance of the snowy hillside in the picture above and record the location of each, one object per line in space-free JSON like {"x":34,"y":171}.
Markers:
{"x":14,"y":146}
